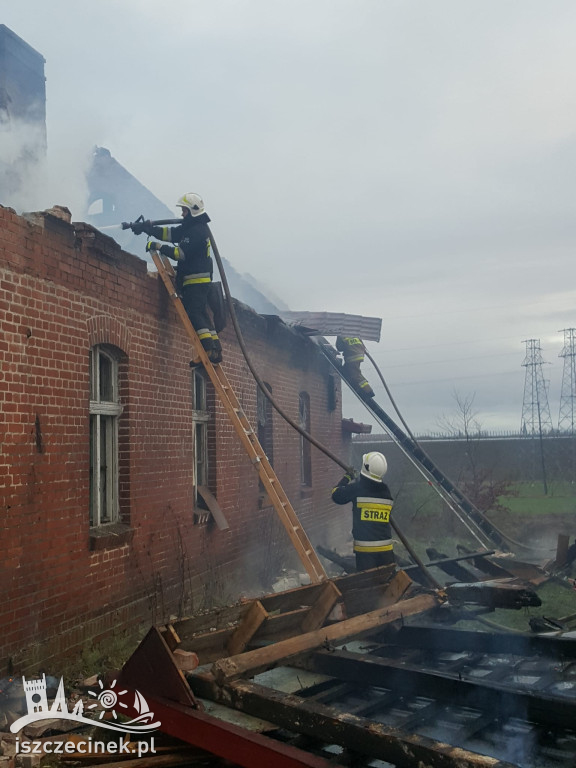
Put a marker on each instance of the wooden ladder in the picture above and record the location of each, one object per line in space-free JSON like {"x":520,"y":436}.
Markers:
{"x":272,"y":486}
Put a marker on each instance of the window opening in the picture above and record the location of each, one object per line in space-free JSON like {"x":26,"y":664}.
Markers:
{"x":305,"y":447}
{"x":105,"y":411}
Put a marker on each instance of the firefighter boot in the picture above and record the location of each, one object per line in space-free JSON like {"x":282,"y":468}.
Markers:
{"x":215,"y":354}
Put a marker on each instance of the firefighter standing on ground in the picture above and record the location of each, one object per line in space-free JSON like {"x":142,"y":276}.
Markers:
{"x":195,"y":267}
{"x":353,"y":350}
{"x":371,"y":507}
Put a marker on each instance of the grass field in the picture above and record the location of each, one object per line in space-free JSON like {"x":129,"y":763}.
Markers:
{"x":530,"y":513}
{"x":531,"y":500}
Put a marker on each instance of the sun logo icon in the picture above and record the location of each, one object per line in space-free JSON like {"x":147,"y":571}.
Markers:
{"x":108,"y":699}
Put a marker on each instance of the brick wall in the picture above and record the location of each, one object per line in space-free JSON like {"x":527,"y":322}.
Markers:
{"x":63,"y":289}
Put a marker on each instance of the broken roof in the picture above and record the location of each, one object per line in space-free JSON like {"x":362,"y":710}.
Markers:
{"x":335,"y":324}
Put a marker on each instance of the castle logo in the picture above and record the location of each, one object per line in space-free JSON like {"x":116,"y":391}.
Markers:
{"x":106,"y":700}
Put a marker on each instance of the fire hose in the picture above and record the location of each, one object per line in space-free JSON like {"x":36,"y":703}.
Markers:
{"x":266,"y":392}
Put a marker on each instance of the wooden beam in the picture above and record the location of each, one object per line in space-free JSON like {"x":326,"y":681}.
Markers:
{"x":212,"y":504}
{"x":497,"y":593}
{"x":326,"y":724}
{"x":170,"y":636}
{"x":501,"y":698}
{"x":221,"y":618}
{"x":251,"y":623}
{"x":319,"y":612}
{"x":260,"y":659}
{"x":562,"y":548}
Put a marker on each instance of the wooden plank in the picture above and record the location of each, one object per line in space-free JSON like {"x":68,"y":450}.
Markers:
{"x":291,"y":599}
{"x":501,"y":593}
{"x":318,"y":613}
{"x":490,"y":568}
{"x":365,"y":579}
{"x":507,"y":699}
{"x":170,"y":636}
{"x":261,"y":659}
{"x":368,"y":598}
{"x":209,"y":647}
{"x":214,"y":507}
{"x":363,"y":736}
{"x":527,"y":571}
{"x":360,"y":590}
{"x":396,"y":589}
{"x":562,"y":549}
{"x":163,"y":757}
{"x":282,"y":626}
{"x":221,"y":618}
{"x":251,"y":623}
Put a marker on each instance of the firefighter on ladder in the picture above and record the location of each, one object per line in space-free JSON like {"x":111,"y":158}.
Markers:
{"x":195,"y":268}
{"x":353,"y":350}
{"x":371,"y":507}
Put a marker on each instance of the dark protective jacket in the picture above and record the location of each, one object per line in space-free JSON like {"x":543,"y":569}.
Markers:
{"x":371,"y":508}
{"x":352,"y":348}
{"x":194,"y":250}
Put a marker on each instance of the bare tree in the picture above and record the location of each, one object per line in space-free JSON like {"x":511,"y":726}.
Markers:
{"x":477,"y":481}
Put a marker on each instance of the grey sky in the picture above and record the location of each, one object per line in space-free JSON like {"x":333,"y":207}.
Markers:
{"x":410,"y":160}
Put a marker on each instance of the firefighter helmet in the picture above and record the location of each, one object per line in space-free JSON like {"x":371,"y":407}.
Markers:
{"x":193,"y":202}
{"x":374,"y":466}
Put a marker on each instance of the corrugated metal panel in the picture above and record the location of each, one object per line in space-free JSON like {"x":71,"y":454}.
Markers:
{"x":335,"y":324}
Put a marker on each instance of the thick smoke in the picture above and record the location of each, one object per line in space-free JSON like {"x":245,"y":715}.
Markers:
{"x":33,"y":179}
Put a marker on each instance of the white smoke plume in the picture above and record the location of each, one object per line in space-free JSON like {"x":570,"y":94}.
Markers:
{"x":33,"y":179}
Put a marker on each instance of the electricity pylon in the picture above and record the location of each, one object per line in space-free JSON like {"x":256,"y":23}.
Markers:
{"x":566,"y":416}
{"x":535,"y":409}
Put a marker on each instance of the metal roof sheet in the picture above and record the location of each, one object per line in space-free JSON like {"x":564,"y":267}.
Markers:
{"x":335,"y":324}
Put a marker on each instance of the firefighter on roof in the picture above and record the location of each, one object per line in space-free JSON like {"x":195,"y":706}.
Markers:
{"x":195,"y":268}
{"x":353,"y":350}
{"x":371,"y":507}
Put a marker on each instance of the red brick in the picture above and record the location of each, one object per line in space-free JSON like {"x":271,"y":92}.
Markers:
{"x":56,"y":301}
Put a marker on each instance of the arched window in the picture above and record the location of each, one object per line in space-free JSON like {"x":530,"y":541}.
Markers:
{"x":305,"y":447}
{"x":201,"y":420}
{"x":265,"y":433}
{"x":105,"y":412}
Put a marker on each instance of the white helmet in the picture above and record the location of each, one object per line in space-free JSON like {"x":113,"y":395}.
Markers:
{"x":374,"y":466}
{"x":193,"y":202}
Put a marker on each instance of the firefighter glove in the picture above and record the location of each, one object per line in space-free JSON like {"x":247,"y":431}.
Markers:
{"x":151,"y":245}
{"x":348,"y":477}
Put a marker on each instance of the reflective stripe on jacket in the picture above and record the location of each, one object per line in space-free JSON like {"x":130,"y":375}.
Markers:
{"x":352,"y":348}
{"x":371,"y":509}
{"x":193,"y":252}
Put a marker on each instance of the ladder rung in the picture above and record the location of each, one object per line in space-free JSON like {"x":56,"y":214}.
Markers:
{"x":240,"y":421}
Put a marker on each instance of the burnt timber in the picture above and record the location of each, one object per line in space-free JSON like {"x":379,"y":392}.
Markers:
{"x":351,"y":672}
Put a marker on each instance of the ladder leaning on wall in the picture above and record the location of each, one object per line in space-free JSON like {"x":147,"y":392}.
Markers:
{"x":272,"y":486}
